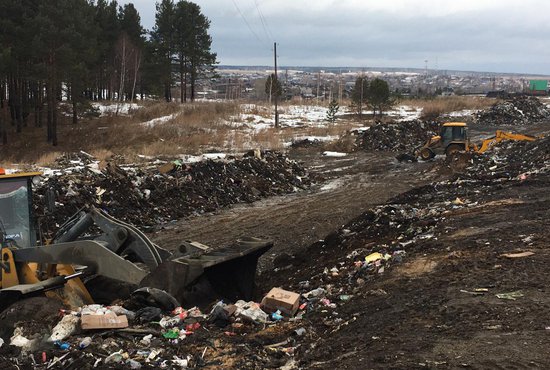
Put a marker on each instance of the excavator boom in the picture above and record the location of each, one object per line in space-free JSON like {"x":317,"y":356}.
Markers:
{"x":501,"y":136}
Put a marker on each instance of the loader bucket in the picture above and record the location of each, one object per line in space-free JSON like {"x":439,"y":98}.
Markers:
{"x":197,"y":279}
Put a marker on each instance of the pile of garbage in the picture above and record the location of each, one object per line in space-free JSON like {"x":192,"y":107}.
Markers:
{"x":146,"y":197}
{"x":395,"y":136}
{"x":519,"y":110}
{"x":152,"y":331}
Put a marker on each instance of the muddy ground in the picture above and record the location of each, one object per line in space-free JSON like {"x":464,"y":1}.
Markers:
{"x":437,"y":308}
{"x":351,"y":185}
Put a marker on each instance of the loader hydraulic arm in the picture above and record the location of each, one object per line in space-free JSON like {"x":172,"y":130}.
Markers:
{"x":501,"y":136}
{"x":117,"y":236}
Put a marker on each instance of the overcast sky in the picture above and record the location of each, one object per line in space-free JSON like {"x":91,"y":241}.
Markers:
{"x":480,"y":35}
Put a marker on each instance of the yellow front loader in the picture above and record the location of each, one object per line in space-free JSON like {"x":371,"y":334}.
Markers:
{"x":92,"y":244}
{"x":454,"y":138}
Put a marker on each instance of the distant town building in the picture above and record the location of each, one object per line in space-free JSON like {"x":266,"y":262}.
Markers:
{"x":538,"y":87}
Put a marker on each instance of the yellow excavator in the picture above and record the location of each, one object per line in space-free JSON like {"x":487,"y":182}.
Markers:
{"x":93,"y":245}
{"x":453,"y":137}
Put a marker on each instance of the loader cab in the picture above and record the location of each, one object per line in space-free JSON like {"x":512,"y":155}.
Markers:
{"x":16,"y":210}
{"x":453,"y":131}
{"x":452,"y":138}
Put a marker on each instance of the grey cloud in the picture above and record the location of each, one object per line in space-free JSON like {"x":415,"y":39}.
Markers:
{"x":497,"y":40}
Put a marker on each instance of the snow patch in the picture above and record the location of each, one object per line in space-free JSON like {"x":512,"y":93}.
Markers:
{"x":334,"y":154}
{"x":110,"y":109}
{"x":160,"y":120}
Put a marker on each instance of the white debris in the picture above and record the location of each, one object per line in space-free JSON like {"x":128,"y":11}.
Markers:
{"x":64,"y":328}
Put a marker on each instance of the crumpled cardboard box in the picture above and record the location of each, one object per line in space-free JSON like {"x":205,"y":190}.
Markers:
{"x":282,"y":300}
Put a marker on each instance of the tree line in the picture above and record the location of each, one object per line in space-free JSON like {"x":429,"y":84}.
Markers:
{"x":81,"y":50}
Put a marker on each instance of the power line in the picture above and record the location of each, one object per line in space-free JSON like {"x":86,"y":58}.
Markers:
{"x":245,"y":21}
{"x":265,"y":26}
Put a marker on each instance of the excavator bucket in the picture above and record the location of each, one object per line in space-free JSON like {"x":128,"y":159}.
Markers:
{"x":121,"y":258}
{"x":204,"y":275}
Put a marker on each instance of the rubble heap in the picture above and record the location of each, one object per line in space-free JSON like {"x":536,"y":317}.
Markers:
{"x":146,"y":197}
{"x":519,"y":110}
{"x":396,"y":136}
{"x":333,"y":291}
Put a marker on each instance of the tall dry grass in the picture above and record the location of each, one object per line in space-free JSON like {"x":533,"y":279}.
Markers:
{"x":433,"y":108}
{"x":193,"y":128}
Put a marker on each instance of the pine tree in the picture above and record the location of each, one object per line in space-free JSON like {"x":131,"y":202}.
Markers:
{"x":273,"y":86}
{"x":193,"y":45}
{"x":108,"y":26}
{"x":162,"y":38}
{"x":333,"y":109}
{"x":379,"y":95}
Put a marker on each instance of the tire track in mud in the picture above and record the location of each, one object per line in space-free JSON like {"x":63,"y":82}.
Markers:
{"x":353,"y":185}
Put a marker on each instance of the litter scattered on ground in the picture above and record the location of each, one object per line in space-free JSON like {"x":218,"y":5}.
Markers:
{"x":334,"y":154}
{"x":362,"y":289}
{"x":511,"y":295}
{"x":160,"y":193}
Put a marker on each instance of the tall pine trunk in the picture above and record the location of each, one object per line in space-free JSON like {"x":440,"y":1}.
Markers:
{"x":49,"y":119}
{"x":136,"y":70}
{"x":182,"y":79}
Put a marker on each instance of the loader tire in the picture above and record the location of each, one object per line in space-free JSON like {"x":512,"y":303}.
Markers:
{"x":452,"y":149}
{"x":426,"y":154}
{"x":43,"y":312}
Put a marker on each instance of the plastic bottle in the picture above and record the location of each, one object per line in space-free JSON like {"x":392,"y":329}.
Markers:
{"x":85,"y":343}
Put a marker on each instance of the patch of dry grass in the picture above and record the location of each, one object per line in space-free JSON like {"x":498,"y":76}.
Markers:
{"x":101,"y":154}
{"x":48,"y":159}
{"x":433,"y":108}
{"x":194,"y":128}
{"x":154,"y":110}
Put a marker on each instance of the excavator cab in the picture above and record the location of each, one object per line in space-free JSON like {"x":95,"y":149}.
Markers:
{"x":453,"y":133}
{"x":453,"y":137}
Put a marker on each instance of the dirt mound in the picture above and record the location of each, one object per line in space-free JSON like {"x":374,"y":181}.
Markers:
{"x":439,"y":248}
{"x":520,"y":110}
{"x":145,"y":197}
{"x":396,"y":136}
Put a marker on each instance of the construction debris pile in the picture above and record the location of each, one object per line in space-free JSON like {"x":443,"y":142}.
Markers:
{"x":519,"y":110}
{"x":148,"y":197}
{"x":395,"y":136}
{"x":327,"y":288}
{"x":329,"y":308}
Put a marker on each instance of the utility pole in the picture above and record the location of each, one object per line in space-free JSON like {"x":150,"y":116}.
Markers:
{"x":276,"y":85}
{"x":318,"y":85}
{"x":361,"y":100}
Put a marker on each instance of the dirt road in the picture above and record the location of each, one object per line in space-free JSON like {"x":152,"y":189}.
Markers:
{"x":350,"y":185}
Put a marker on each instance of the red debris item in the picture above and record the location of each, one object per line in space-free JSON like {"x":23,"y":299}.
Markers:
{"x":177,"y":311}
{"x":192,"y":327}
{"x":230,"y":333}
{"x":44,"y":357}
{"x":303,"y":306}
